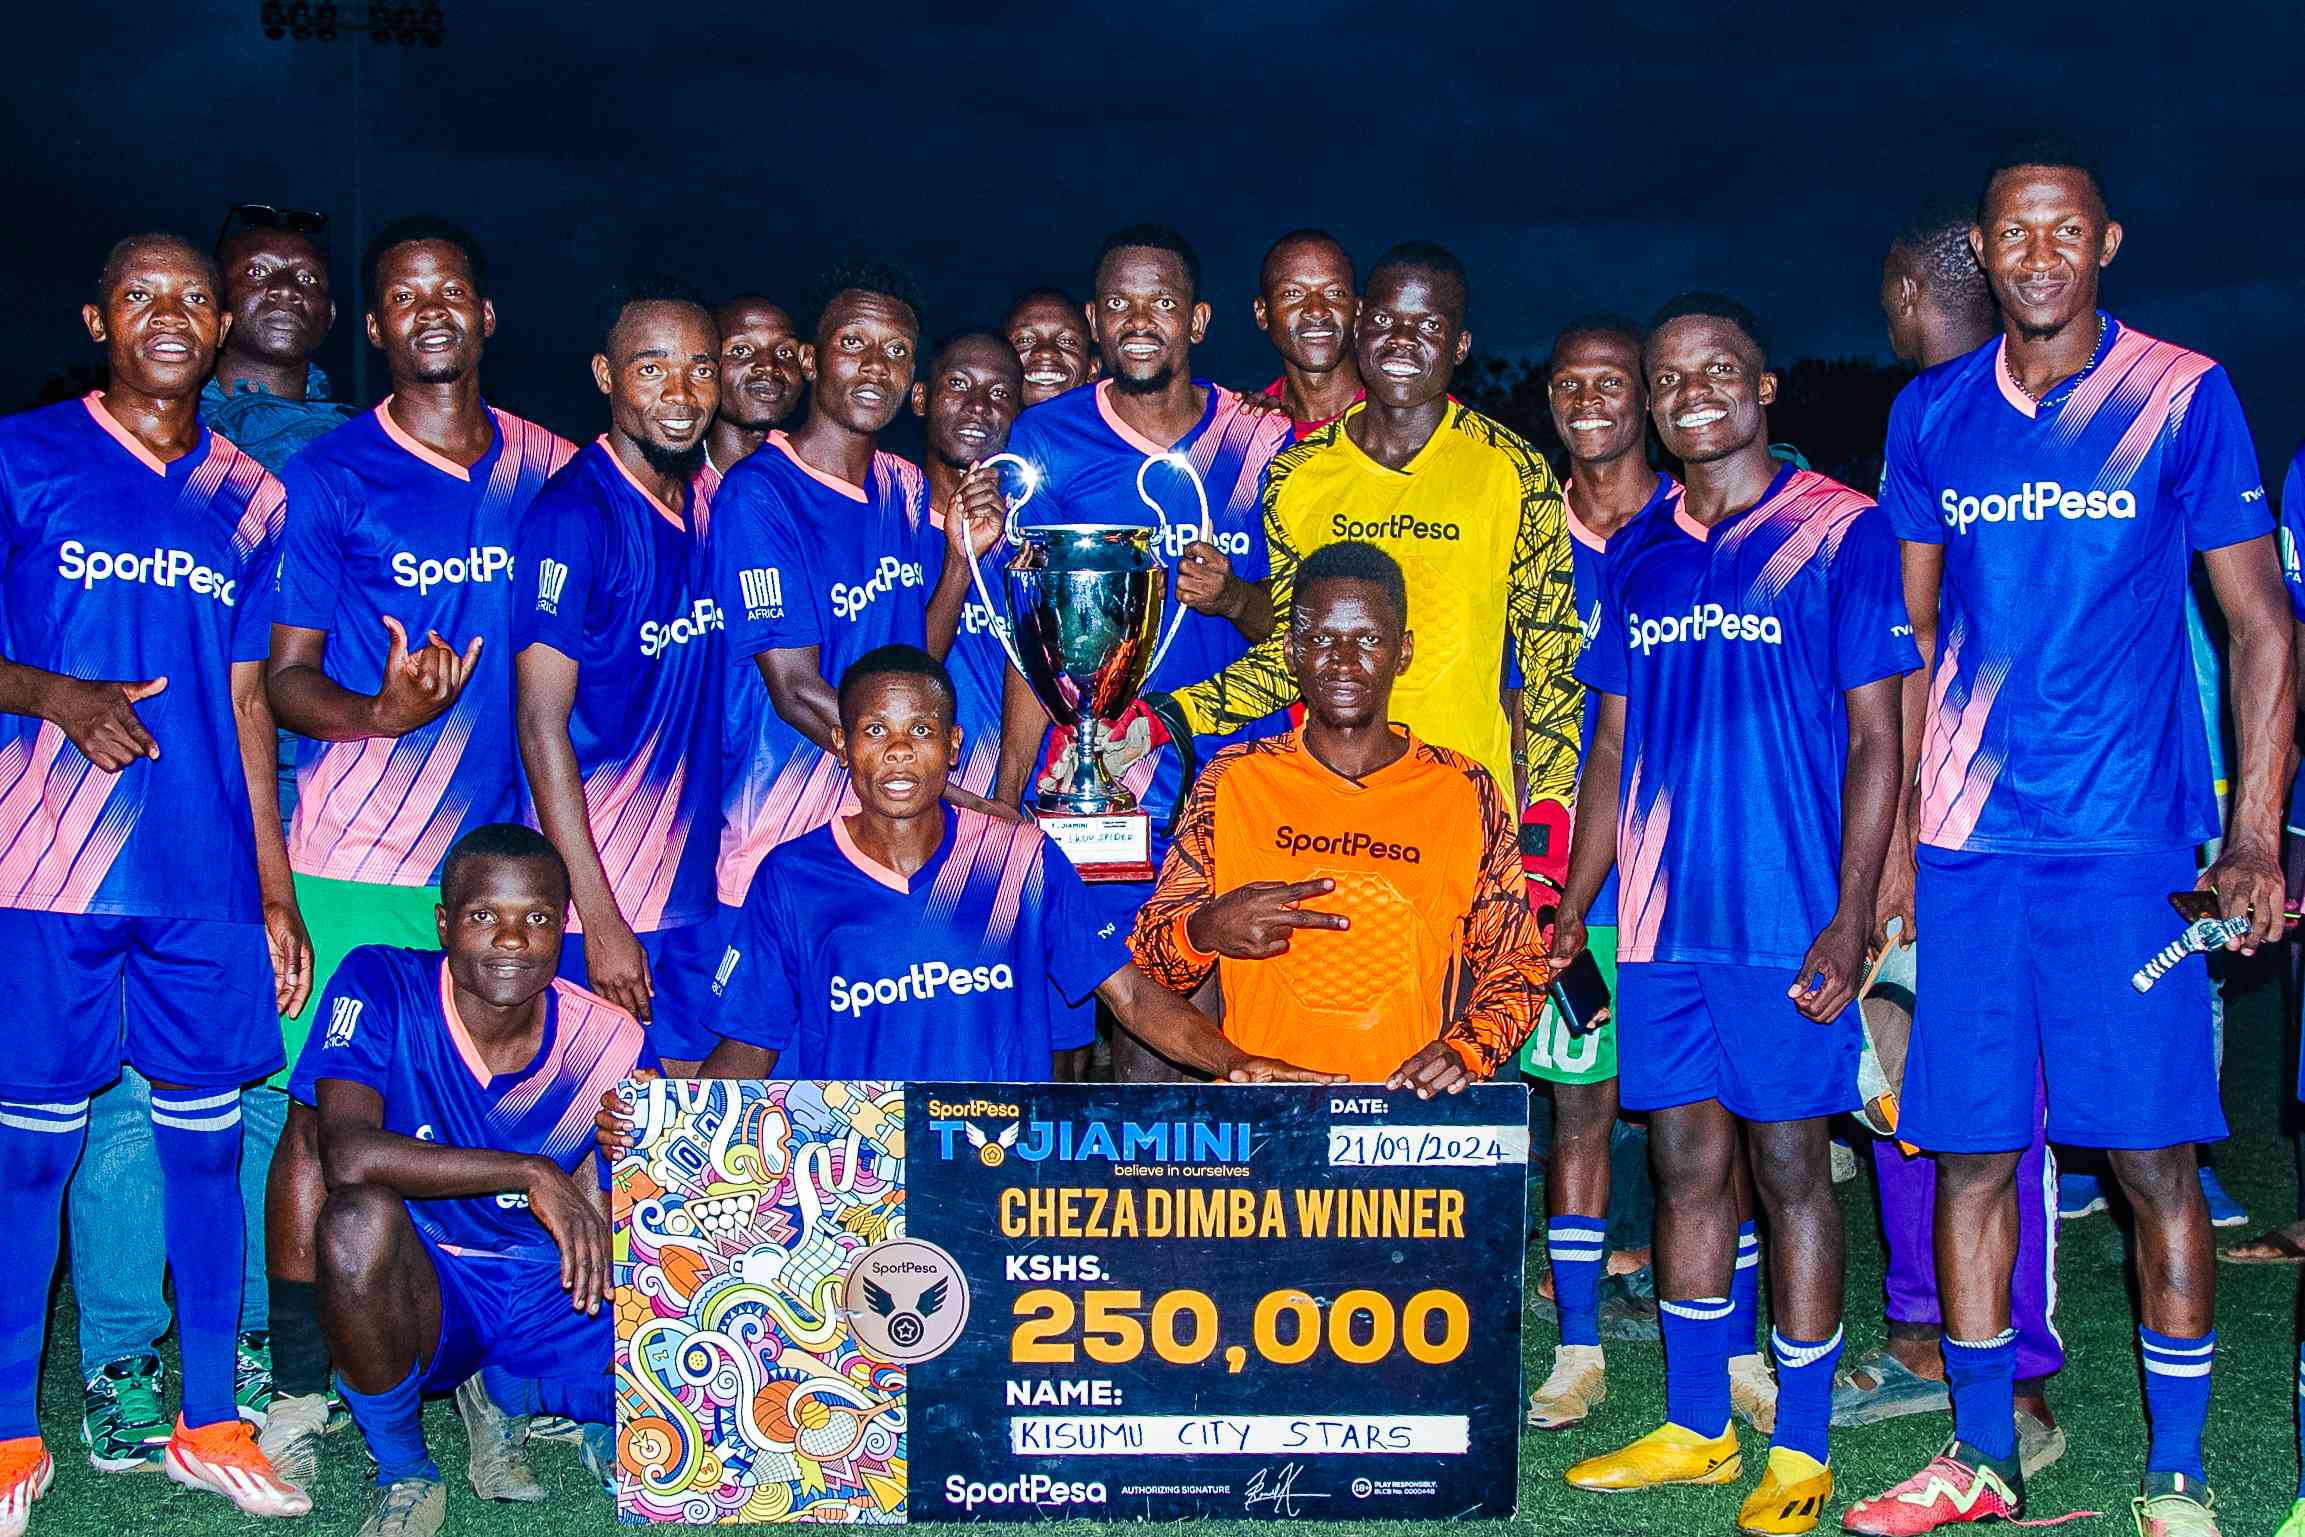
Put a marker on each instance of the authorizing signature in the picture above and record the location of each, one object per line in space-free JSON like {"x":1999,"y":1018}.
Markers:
{"x":1280,"y":1492}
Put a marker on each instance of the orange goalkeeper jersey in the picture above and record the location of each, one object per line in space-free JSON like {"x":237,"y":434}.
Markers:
{"x":1426,"y":865}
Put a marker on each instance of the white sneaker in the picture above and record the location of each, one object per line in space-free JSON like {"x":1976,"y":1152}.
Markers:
{"x":290,"y":1439}
{"x":411,"y":1507}
{"x":1753,"y":1392}
{"x":1578,"y":1385}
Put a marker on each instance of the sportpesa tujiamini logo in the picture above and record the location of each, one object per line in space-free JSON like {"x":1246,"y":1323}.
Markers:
{"x":1351,"y":843}
{"x":2032,"y":503}
{"x":1706,"y":621}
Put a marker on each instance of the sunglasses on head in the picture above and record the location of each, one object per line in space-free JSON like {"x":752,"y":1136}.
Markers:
{"x":301,"y":221}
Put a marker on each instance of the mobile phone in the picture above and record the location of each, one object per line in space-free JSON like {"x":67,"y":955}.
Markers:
{"x":1581,"y":994}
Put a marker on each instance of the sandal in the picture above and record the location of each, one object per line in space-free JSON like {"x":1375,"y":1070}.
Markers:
{"x":2276,"y":1246}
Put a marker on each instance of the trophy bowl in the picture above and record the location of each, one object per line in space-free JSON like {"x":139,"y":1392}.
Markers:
{"x":1085,"y":600}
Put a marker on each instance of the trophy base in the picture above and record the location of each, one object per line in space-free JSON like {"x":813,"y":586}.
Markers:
{"x":1113,"y":847}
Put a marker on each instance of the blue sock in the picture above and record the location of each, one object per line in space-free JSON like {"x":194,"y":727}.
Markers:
{"x":392,"y":1423}
{"x":1697,"y":1363}
{"x":1804,"y":1391}
{"x":2176,"y":1400}
{"x":39,"y":1144}
{"x":2301,"y":1418}
{"x":1579,"y":1249}
{"x":196,"y":1133}
{"x":1983,"y":1378}
{"x":1745,"y":1291}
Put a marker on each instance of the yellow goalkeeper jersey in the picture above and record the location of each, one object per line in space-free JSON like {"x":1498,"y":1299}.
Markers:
{"x":1475,"y":519}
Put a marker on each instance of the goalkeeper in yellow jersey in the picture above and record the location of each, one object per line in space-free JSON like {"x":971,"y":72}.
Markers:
{"x":1473,"y":516}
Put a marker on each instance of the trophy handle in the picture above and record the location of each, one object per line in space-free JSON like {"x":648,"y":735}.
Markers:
{"x":1183,"y":466}
{"x":1009,"y":531}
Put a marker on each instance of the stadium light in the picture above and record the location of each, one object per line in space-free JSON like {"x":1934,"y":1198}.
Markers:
{"x":322,"y":21}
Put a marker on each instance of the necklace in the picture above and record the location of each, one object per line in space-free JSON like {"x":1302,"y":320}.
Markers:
{"x":2010,"y":368}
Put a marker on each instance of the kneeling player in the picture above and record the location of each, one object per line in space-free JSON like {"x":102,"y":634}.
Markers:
{"x":458,"y":1232}
{"x":911,"y":939}
{"x":1743,"y":778}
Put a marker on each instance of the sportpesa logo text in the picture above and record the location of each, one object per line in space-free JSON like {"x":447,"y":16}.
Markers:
{"x":1707,"y":621}
{"x":1350,"y":844}
{"x":918,"y":983}
{"x":890,"y":574}
{"x":702,"y":618}
{"x":1399,"y":526}
{"x":480,"y":563}
{"x":153,"y":568}
{"x":2032,"y":503}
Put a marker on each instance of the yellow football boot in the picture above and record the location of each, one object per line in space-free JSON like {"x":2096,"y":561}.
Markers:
{"x":1793,"y":1493}
{"x":1667,"y":1455}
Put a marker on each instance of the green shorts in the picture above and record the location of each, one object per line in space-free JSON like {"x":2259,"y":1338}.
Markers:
{"x":341,"y":916}
{"x":1554,"y":1055}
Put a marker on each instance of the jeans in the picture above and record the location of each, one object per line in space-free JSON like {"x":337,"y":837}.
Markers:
{"x":118,"y":1251}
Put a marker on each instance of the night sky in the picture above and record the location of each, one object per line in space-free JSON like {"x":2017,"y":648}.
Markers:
{"x":1575,"y":157}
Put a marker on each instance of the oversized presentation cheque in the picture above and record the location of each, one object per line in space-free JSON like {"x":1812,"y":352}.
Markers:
{"x":881,"y":1303}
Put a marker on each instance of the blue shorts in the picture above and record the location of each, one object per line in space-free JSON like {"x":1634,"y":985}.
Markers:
{"x":2027,"y":969}
{"x":1692,"y":1032}
{"x":188,"y":1001}
{"x":680,"y":967}
{"x":509,"y":1312}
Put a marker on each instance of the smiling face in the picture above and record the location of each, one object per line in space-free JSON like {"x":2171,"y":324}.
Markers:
{"x":427,"y":314}
{"x":276,"y":287}
{"x":1599,"y":406}
{"x":2043,"y":239}
{"x":1410,"y":335}
{"x":1052,"y":345}
{"x":661,"y":374}
{"x":969,"y":399}
{"x":1305,"y":304}
{"x":501,"y":925}
{"x":1147,"y":318}
{"x":898,"y":742}
{"x":1708,"y":391}
{"x":160,"y":319}
{"x":760,"y":378}
{"x":862,"y":361}
{"x":1346,"y":644}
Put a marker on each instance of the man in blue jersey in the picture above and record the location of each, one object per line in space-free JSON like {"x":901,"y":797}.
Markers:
{"x":822,"y":549}
{"x":618,"y":674}
{"x":1743,"y":778}
{"x":967,"y":399}
{"x":914,"y":939}
{"x":2062,"y":788}
{"x":760,"y":378}
{"x":135,"y":746}
{"x":392,"y":660}
{"x":2291,"y":542}
{"x":1053,"y":343}
{"x":1600,"y":407}
{"x":461,"y":1231}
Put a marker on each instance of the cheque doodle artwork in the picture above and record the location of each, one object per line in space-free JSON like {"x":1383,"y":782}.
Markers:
{"x":744,"y":1394}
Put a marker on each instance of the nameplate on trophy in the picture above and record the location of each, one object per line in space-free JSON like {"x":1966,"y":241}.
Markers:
{"x":1104,"y":848}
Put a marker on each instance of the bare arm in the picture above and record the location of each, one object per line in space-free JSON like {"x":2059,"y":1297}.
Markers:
{"x":1593,"y":842}
{"x":1023,"y":725}
{"x":284,"y":933}
{"x":418,"y":687}
{"x":1171,"y":1026}
{"x":1836,"y":959}
{"x":355,"y":1149}
{"x":796,"y":686}
{"x":544,"y":685}
{"x":2247,"y":874}
{"x":1923,"y":568}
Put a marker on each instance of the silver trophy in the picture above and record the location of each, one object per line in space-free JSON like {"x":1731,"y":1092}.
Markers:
{"x":1085,"y":600}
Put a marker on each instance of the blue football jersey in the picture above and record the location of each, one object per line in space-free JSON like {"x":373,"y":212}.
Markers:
{"x":1086,"y":460}
{"x":1588,"y":557}
{"x":381,"y":526}
{"x":388,"y":1021}
{"x":621,"y":585}
{"x":2063,"y":716}
{"x":801,"y":558}
{"x":115,"y":565}
{"x":979,"y":668}
{"x":1732,"y":647}
{"x":849,"y":970}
